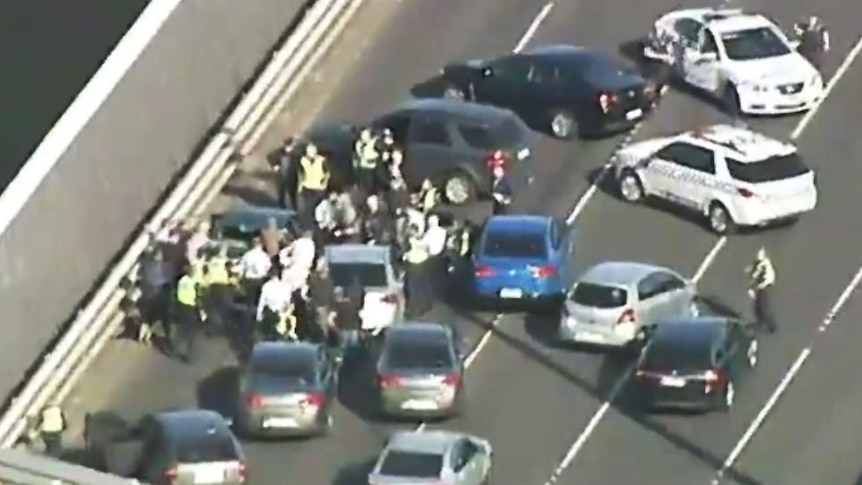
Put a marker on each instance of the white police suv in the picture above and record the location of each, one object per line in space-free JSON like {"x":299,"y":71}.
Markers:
{"x":743,"y":59}
{"x":733,"y":176}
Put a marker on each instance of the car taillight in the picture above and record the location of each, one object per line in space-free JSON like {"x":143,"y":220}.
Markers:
{"x":496,"y":159}
{"x":453,"y":380}
{"x":745,"y":192}
{"x":543,"y":272}
{"x":390,"y":298}
{"x":171,"y":474}
{"x":606,"y":101}
{"x":389,"y":381}
{"x":242,"y":470}
{"x":254,"y":401}
{"x":485,"y":272}
{"x":713,"y":376}
{"x":627,"y":316}
{"x":314,"y":400}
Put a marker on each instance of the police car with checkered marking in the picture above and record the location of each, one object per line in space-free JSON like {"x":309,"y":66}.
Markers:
{"x":742,"y":58}
{"x":731,"y":175}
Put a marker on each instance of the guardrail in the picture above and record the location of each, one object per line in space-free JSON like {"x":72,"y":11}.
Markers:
{"x":99,"y":321}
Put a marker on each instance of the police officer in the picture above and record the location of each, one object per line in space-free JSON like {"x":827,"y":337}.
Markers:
{"x":762,"y":274}
{"x":501,"y":192}
{"x":219,"y":289}
{"x":186,"y":314}
{"x":52,"y":424}
{"x":428,"y":197}
{"x":418,"y":287}
{"x":313,"y":179}
{"x":366,"y":156}
{"x":387,"y":144}
{"x":434,"y":240}
{"x":813,"y":40}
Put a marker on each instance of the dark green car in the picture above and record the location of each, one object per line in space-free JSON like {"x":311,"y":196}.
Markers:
{"x":238,"y":226}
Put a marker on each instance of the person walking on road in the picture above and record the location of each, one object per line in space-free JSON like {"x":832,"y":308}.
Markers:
{"x":186,"y":315}
{"x":762,"y":274}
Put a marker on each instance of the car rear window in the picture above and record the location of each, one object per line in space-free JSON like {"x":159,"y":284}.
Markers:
{"x":368,"y":274}
{"x":673,"y":356}
{"x":411,"y":464}
{"x":768,"y":170}
{"x":511,"y":245}
{"x":205,"y":448}
{"x":284,"y":367}
{"x":506,"y":133}
{"x":599,"y":296}
{"x":417,"y":354}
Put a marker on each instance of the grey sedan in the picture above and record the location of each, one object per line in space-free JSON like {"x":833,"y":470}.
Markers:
{"x":612,"y":301}
{"x":432,"y":457}
{"x":420,"y":372}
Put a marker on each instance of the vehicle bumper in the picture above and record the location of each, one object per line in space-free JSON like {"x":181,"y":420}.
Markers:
{"x":504,"y":294}
{"x":786,"y":210}
{"x":584,"y":333}
{"x":278,"y":427}
{"x":654,"y":399}
{"x":774,"y":103}
{"x":404,"y":408}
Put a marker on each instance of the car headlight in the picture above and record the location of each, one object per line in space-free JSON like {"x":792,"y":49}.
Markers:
{"x":755,"y":87}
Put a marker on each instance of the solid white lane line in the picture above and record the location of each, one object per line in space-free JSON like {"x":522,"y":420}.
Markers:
{"x":709,"y":259}
{"x":533,"y":28}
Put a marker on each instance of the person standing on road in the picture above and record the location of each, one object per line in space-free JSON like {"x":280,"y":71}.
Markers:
{"x":814,"y":40}
{"x":52,"y":424}
{"x":366,"y":157}
{"x":501,"y":192}
{"x":186,"y":315}
{"x":416,"y":279}
{"x":435,"y":241}
{"x":762,"y":274}
{"x":313,"y":180}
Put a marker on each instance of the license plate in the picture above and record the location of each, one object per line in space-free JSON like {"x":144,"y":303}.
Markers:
{"x":209,"y":476}
{"x":634,"y":114}
{"x":668,"y":381}
{"x":511,"y":293}
{"x":279,"y":423}
{"x":523,"y":153}
{"x":419,"y":405}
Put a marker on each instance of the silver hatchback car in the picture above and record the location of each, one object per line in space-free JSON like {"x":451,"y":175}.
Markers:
{"x":613,"y":300}
{"x":432,"y":457}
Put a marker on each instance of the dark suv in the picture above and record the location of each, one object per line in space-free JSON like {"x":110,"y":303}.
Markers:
{"x":447,"y":141}
{"x":565,"y":89}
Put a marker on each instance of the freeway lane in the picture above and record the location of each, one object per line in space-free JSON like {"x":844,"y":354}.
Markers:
{"x":50,"y":50}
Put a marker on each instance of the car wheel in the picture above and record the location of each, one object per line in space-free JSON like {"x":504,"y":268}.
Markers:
{"x":563,"y":125}
{"x":454,"y":92}
{"x":720,"y":221}
{"x":630,"y":187}
{"x":753,"y":353}
{"x":459,"y":189}
{"x":730,"y":101}
{"x":729,"y":395}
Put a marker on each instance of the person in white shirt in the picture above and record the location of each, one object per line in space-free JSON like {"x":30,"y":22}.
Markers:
{"x":324,"y":215}
{"x":255,"y":264}
{"x":301,"y":252}
{"x":276,"y":300}
{"x":435,"y":242}
{"x":197,"y":241}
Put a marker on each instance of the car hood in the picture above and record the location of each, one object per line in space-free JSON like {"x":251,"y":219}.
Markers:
{"x":791,"y":68}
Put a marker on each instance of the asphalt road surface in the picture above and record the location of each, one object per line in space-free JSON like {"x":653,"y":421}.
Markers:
{"x":50,"y":50}
{"x":558,"y":416}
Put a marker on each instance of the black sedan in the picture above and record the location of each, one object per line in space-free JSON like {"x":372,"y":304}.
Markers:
{"x":567,"y":90}
{"x":695,"y":363}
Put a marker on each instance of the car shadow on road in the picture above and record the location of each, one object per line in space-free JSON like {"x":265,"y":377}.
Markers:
{"x":256,"y":196}
{"x":614,"y":368}
{"x":218,"y":391}
{"x":354,"y":474}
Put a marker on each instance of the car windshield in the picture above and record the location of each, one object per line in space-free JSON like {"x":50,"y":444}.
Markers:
{"x":514,"y":245}
{"x":768,"y":170}
{"x":411,"y":464}
{"x":205,"y":448}
{"x":294,"y":368}
{"x":368,"y":274}
{"x":599,"y":296}
{"x":413,"y":353}
{"x":760,"y":43}
{"x":676,"y":356}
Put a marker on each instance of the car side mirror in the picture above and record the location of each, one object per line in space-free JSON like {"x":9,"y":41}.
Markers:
{"x":487,"y":72}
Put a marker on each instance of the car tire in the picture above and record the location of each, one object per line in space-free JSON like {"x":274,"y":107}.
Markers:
{"x":454,"y":92}
{"x":325,"y":425}
{"x":730,"y":101}
{"x":563,"y":125}
{"x":459,"y":188}
{"x":630,"y":187}
{"x":719,"y":219}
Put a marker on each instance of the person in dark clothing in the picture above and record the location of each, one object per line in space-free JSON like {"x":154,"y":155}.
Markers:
{"x":346,"y":317}
{"x":501,"y":191}
{"x":376,"y":225}
{"x":813,"y":40}
{"x":157,"y":276}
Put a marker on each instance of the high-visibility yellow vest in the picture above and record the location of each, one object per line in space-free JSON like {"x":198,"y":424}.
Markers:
{"x":428,"y":199}
{"x":52,"y":420}
{"x":367,"y":154}
{"x":315,"y":175}
{"x":217,"y":273}
{"x":187,"y":291}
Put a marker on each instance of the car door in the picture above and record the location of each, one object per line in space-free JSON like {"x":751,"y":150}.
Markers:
{"x":503,"y":81}
{"x":561,"y":248}
{"x":652,"y":299}
{"x":701,"y":63}
{"x":681,"y":172}
{"x":742,"y":338}
{"x":678,"y":301}
{"x":429,"y":147}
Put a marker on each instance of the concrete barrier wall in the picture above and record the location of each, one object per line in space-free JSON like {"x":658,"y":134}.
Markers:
{"x":120,"y":164}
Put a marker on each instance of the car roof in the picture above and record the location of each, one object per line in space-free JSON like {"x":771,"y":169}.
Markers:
{"x":357,"y":253}
{"x":433,"y":441}
{"x":245,"y":214}
{"x":191,"y":422}
{"x":690,"y":332}
{"x":619,"y":273}
{"x":264,"y":350}
{"x":744,"y":145}
{"x":474,"y":112}
{"x":565,"y":53}
{"x":521,"y":223}
{"x":416,"y":329}
{"x":735,"y":21}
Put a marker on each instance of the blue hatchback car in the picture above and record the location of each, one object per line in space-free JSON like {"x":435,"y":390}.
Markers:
{"x":523,"y":257}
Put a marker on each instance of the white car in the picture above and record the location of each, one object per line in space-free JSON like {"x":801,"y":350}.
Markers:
{"x":743,"y":59}
{"x":731,"y":175}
